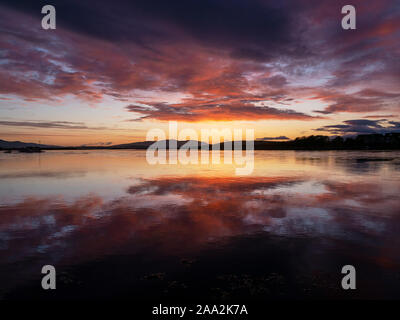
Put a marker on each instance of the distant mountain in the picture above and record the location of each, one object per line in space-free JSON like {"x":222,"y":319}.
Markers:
{"x":388,"y":141}
{"x":146,"y":144}
{"x":19,"y":145}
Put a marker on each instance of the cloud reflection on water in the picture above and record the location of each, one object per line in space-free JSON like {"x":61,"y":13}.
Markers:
{"x":176,"y":215}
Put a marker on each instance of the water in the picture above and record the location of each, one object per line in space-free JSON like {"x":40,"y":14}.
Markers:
{"x":117,"y":227}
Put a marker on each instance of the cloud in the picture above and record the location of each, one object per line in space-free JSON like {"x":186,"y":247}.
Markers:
{"x":97,"y":144}
{"x":362,"y":126}
{"x":49,"y":124}
{"x":380,"y":116}
{"x":276,"y":81}
{"x":234,"y":53}
{"x":272,"y":138}
{"x":362,"y":101}
{"x":244,"y":27}
{"x":214,"y":111}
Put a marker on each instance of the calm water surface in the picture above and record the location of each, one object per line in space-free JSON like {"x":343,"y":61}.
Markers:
{"x":117,"y":227}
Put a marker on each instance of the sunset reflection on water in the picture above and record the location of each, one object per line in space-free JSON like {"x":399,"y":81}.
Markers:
{"x":73,"y":208}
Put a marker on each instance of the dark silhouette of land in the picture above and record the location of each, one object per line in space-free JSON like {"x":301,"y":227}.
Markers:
{"x":388,"y":141}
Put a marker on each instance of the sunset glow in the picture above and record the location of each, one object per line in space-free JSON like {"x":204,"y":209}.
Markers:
{"x":282,"y":69}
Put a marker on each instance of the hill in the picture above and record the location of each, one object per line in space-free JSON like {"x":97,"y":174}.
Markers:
{"x":20,"y":145}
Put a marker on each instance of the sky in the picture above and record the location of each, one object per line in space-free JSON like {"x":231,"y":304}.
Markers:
{"x":113,"y":70}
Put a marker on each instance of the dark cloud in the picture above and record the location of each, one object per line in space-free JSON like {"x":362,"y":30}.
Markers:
{"x":273,"y":138}
{"x":362,"y":126}
{"x":215,"y":111}
{"x":249,"y":29}
{"x":49,"y":124}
